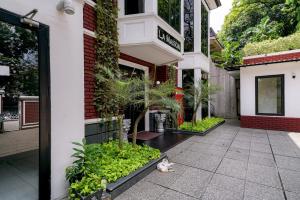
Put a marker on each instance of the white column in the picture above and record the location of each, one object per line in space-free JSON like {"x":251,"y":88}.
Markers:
{"x":197,"y":77}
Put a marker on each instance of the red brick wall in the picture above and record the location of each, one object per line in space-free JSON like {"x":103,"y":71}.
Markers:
{"x":89,"y":23}
{"x":271,"y":123}
{"x":89,"y":17}
{"x":272,"y":58}
{"x":89,"y":63}
{"x":31,"y":112}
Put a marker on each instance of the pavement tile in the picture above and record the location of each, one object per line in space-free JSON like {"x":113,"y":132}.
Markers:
{"x":290,"y":163}
{"x":284,"y":150}
{"x":215,"y":193}
{"x":260,"y":158}
{"x":233,"y":168}
{"x":290,"y":180}
{"x":263,"y":175}
{"x":237,"y":154}
{"x":228,"y":183}
{"x":192,"y":182}
{"x":257,"y":191}
{"x":260,"y":147}
{"x":292,"y":196}
{"x":142,"y":190}
{"x":241,"y":144}
{"x":173,"y":195}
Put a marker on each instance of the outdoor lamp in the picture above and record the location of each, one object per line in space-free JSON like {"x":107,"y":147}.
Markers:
{"x":66,"y":6}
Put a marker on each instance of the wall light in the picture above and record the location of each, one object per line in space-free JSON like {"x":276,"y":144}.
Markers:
{"x":66,"y":6}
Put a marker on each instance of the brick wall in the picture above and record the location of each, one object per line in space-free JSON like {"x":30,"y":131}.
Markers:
{"x":89,"y":17}
{"x":271,"y":123}
{"x":31,"y":112}
{"x":272,"y":58}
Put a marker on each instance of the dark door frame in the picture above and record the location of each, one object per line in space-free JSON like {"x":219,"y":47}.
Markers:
{"x":44,"y":87}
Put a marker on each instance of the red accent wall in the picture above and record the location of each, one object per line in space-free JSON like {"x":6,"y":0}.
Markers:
{"x":31,"y":112}
{"x":89,"y":23}
{"x":89,"y":63}
{"x":272,"y":58}
{"x":271,"y":123}
{"x":89,"y":17}
{"x":162,"y":73}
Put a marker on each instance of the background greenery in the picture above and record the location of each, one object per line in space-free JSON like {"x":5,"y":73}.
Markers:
{"x":252,"y":21}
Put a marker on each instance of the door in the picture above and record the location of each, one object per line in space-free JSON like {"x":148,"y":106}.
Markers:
{"x":132,"y":112}
{"x":188,"y":99}
{"x":24,"y":109}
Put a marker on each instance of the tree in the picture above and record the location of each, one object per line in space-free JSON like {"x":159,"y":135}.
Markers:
{"x":255,"y":21}
{"x":19,"y":51}
{"x":200,"y":94}
{"x":148,"y":95}
{"x":118,"y":94}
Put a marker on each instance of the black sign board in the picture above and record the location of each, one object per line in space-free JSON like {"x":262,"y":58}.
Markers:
{"x":165,"y":37}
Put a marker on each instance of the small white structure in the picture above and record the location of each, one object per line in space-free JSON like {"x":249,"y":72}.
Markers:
{"x":270,"y":86}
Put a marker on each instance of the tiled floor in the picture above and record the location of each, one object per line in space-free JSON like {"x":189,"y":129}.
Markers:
{"x":19,"y":176}
{"x":230,"y":163}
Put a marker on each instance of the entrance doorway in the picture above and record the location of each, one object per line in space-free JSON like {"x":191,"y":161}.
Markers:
{"x":24,"y":109}
{"x":132,"y":112}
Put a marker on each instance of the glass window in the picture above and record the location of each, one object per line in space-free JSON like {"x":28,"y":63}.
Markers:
{"x":189,"y":25}
{"x":204,"y":30}
{"x":134,"y":7}
{"x":170,"y":11}
{"x":270,"y":95}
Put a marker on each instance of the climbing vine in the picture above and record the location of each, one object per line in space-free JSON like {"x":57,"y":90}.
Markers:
{"x":107,"y":54}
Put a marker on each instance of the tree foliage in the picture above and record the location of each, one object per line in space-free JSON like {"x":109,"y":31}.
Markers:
{"x":290,"y":42}
{"x":254,"y":21}
{"x":19,"y":51}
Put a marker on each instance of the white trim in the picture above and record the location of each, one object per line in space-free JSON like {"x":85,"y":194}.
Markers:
{"x":89,"y":33}
{"x":33,"y":98}
{"x":90,"y":2}
{"x":272,"y":54}
{"x":97,"y":120}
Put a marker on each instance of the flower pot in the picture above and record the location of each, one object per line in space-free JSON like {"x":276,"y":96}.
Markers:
{"x":95,"y":196}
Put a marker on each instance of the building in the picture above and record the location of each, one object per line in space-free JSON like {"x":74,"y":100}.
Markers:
{"x":62,"y":55}
{"x":196,"y":58}
{"x":268,"y":91}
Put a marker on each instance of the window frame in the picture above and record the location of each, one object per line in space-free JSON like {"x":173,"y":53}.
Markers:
{"x":169,"y":21}
{"x":282,"y":78}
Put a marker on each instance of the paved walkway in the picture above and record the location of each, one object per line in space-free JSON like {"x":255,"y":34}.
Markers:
{"x":229,"y":163}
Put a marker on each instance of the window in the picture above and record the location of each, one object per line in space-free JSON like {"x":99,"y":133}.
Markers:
{"x":134,"y":7}
{"x":189,"y":25}
{"x":170,"y":11}
{"x":269,"y":95}
{"x":204,"y":30}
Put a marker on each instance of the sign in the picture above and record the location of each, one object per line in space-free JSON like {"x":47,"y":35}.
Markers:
{"x":168,"y":39}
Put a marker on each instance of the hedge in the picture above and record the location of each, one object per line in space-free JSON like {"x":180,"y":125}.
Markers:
{"x":290,"y":42}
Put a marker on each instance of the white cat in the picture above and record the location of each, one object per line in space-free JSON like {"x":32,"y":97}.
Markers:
{"x":165,"y":166}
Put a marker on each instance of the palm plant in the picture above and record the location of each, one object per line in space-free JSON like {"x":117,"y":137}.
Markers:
{"x":117,"y":93}
{"x":148,"y":95}
{"x":200,"y":94}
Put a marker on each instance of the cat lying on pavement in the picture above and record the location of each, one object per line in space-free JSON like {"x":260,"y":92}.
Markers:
{"x":165,"y":166}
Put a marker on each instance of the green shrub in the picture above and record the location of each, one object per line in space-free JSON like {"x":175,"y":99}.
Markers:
{"x":290,"y":42}
{"x":86,"y":186}
{"x":95,"y":162}
{"x":201,"y":125}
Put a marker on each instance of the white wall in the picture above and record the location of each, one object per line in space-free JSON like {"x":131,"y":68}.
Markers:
{"x":67,"y":78}
{"x":292,"y":86}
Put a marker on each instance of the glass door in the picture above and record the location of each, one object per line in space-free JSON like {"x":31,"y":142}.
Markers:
{"x":24,"y":63}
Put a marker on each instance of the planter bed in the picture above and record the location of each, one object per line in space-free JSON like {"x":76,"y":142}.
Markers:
{"x":122,"y":184}
{"x":177,"y":131}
